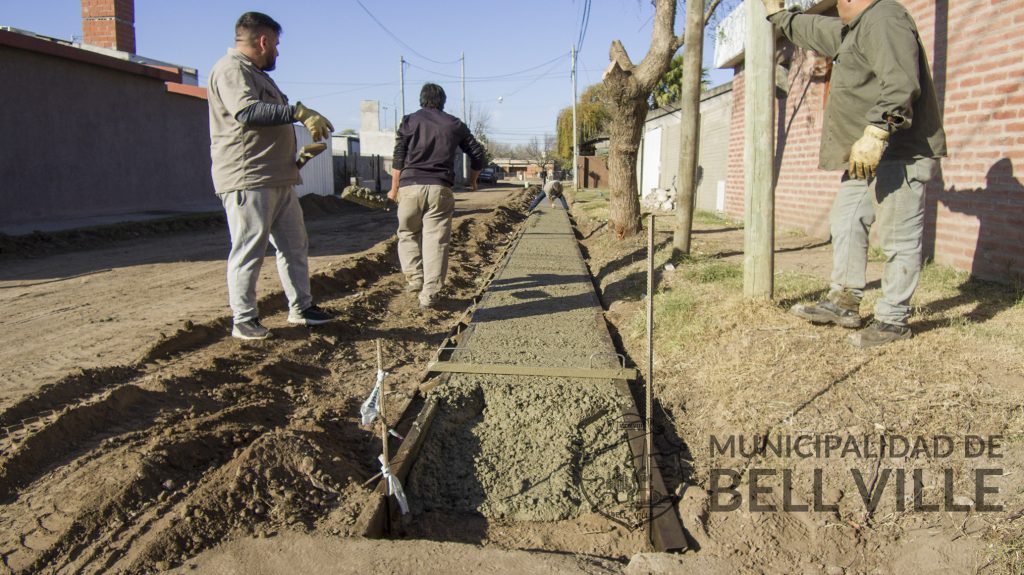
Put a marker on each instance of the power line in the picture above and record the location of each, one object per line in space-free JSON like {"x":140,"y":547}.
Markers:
{"x":338,"y":93}
{"x":399,"y":40}
{"x":300,"y":83}
{"x":584,"y":23}
{"x":485,"y":78}
{"x":534,"y":81}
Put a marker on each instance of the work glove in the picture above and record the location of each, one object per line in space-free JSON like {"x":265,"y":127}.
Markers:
{"x":773,"y":6}
{"x":319,"y":127}
{"x":867,"y":152}
{"x":308,"y":152}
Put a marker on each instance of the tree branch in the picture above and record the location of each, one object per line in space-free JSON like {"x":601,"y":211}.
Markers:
{"x":679,"y":41}
{"x":710,"y":11}
{"x":618,"y":56}
{"x":663,"y":45}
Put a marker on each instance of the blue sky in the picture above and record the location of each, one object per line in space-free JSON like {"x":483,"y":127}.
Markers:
{"x":333,"y":54}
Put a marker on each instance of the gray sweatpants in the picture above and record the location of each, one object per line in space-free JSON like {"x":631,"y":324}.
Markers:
{"x":896,"y":198}
{"x":424,"y":230}
{"x":256,"y":217}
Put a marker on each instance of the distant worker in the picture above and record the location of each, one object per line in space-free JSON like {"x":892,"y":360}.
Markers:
{"x":422,"y":176}
{"x":252,"y":145}
{"x":884,"y":128}
{"x":543,"y":177}
{"x":553,"y":190}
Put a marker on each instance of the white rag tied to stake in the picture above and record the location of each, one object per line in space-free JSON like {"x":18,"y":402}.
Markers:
{"x":371,"y":407}
{"x":394,"y":485}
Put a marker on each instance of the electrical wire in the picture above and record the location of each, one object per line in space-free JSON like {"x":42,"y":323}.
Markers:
{"x":338,"y":93}
{"x":399,"y":40}
{"x":584,"y":24}
{"x":488,"y":78}
{"x":535,"y":80}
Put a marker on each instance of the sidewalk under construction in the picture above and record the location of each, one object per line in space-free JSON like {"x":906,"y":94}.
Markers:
{"x":527,"y":418}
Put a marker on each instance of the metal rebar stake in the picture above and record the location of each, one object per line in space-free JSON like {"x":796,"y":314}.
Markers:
{"x":649,"y":408}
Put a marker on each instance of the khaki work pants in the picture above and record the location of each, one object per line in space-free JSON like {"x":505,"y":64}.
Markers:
{"x":424,"y":230}
{"x":895,"y":198}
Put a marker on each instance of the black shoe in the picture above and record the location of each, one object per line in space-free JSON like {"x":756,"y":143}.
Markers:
{"x":312,"y":315}
{"x":825,"y":312}
{"x":251,"y":329}
{"x":880,"y":333}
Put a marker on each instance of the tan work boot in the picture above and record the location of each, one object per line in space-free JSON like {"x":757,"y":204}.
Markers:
{"x":825,"y":312}
{"x":880,"y":333}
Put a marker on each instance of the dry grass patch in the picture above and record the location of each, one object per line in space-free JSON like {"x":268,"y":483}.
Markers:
{"x":726,"y":367}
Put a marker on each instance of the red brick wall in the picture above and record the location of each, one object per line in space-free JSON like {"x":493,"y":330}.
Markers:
{"x":975,"y":214}
{"x":734,"y":177}
{"x":109,"y":23}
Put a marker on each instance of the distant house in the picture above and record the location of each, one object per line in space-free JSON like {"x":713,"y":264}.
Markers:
{"x":592,"y":163}
{"x":512,"y":169}
{"x":93,"y":129}
{"x":659,"y":153}
{"x":975,"y":212}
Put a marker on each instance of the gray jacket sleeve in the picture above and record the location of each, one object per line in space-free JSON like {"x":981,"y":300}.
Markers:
{"x":266,"y":114}
{"x":810,"y":31}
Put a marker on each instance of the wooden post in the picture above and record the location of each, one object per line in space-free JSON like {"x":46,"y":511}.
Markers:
{"x":689,"y":127}
{"x":382,"y":416}
{"x":649,"y":407}
{"x":758,"y":152}
{"x":383,"y":391}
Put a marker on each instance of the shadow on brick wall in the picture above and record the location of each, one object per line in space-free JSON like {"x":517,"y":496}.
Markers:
{"x":996,"y":256}
{"x":999,"y":208}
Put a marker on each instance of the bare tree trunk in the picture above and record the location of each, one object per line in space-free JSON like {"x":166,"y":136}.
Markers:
{"x":628,"y":86}
{"x":625,"y":131}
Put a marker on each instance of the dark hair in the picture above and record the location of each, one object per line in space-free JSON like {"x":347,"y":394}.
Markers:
{"x":432,"y":96}
{"x":251,"y":24}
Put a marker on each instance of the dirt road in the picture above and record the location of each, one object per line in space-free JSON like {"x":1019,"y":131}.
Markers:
{"x":107,"y":306}
{"x":159,"y":435}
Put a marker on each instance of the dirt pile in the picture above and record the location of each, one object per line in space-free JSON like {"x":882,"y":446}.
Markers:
{"x":135,"y":468}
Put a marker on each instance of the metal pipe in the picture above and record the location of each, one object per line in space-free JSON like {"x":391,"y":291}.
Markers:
{"x":649,"y":407}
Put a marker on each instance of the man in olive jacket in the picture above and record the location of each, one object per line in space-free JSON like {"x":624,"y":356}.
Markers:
{"x":883,"y":126}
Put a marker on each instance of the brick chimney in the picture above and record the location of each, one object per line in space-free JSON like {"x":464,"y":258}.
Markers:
{"x":109,"y":24}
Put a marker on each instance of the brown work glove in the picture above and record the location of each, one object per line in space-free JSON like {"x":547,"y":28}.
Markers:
{"x":866,"y":152}
{"x":773,"y":6}
{"x":319,"y":127}
{"x":308,"y":152}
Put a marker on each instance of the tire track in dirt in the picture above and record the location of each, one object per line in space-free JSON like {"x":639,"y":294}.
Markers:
{"x":204,"y":438}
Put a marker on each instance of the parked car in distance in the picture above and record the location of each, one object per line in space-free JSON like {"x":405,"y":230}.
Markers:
{"x":487,"y":176}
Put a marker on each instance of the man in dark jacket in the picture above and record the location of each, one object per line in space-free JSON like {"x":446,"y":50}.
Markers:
{"x":883,"y":126}
{"x":422,"y":176}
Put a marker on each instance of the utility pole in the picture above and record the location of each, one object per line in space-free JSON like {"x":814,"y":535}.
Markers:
{"x":689,"y":127}
{"x":758,"y":155}
{"x":401,"y":80}
{"x":575,"y":134}
{"x":462,"y":66}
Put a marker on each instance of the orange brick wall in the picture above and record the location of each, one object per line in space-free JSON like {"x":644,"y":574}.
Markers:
{"x":109,"y":23}
{"x":975,"y":214}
